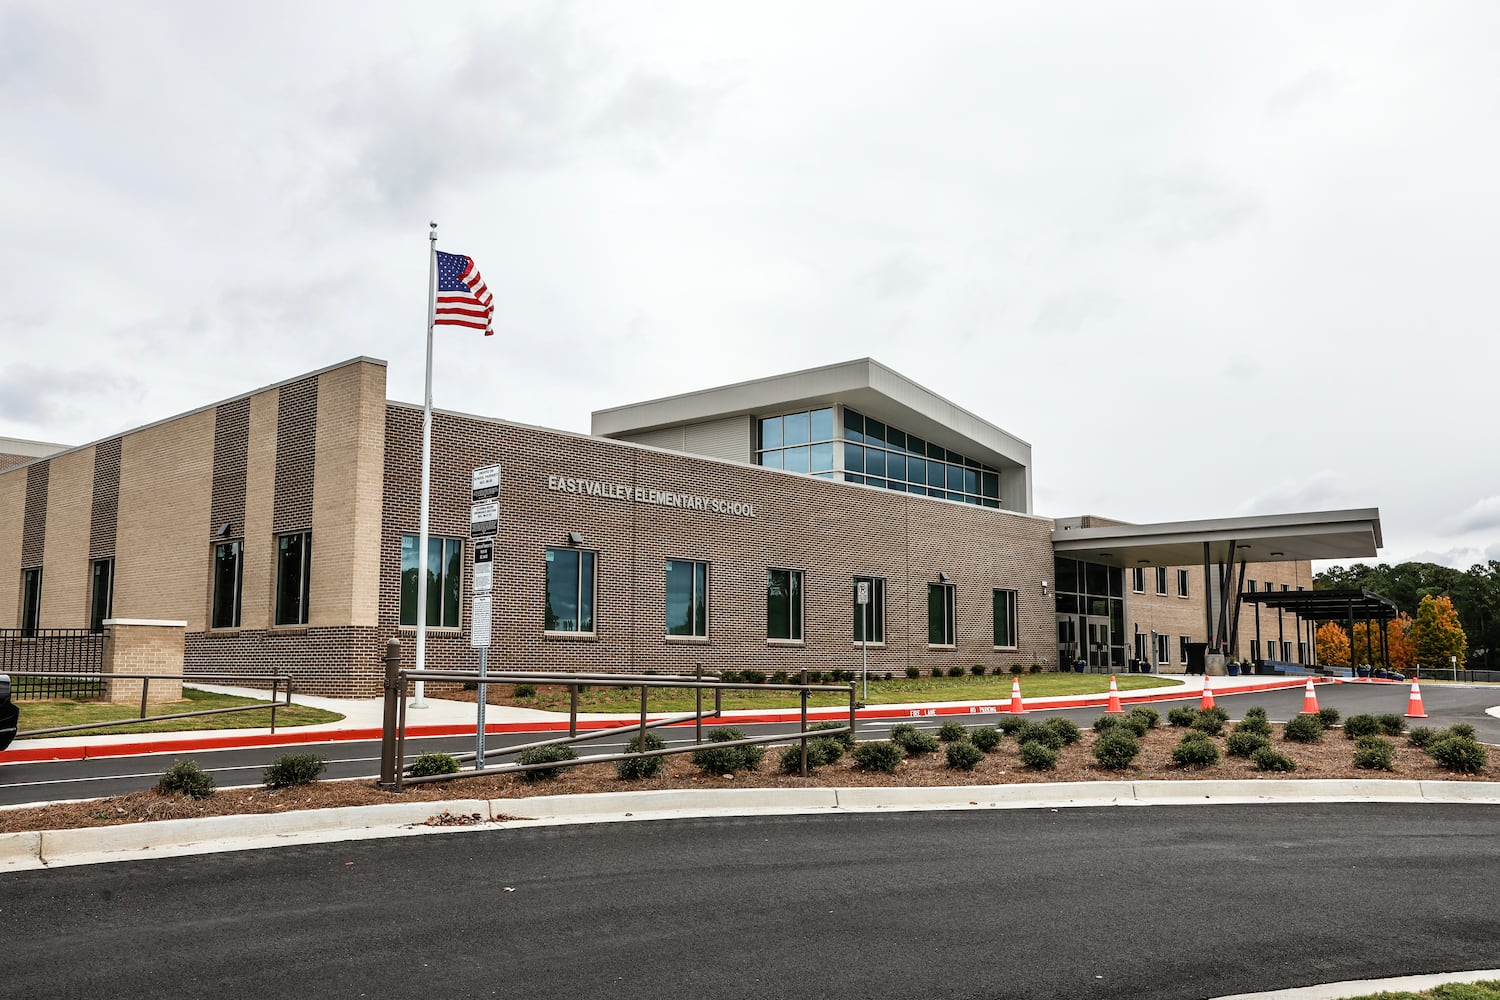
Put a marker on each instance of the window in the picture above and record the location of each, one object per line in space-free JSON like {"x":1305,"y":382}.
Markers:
{"x":784,"y":604}
{"x":293,"y":577}
{"x":1284,"y":588}
{"x":1138,"y":580}
{"x":1140,"y":645}
{"x":687,"y":598}
{"x":1182,"y":586}
{"x":877,"y":454}
{"x":1182,"y":645}
{"x":1301,"y":652}
{"x":1255,"y":649}
{"x":570,"y":591}
{"x":797,"y":442}
{"x":445,"y":573}
{"x":1163,"y":652}
{"x":1005,"y":619}
{"x":1161,"y":580}
{"x":1268,"y":586}
{"x":869,"y":618}
{"x":939,"y":614}
{"x":1286,"y":649}
{"x":1250,"y":586}
{"x":228,"y":576}
{"x":31,"y":600}
{"x":101,"y":594}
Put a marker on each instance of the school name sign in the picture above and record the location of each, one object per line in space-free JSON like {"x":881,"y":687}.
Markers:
{"x":644,"y":494}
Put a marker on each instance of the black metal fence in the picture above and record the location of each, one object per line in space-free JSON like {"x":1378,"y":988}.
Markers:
{"x":73,"y":655}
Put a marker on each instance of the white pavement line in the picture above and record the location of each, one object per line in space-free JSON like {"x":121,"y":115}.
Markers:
{"x":1361,"y":987}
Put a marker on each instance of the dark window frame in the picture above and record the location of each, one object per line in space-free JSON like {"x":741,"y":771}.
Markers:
{"x":296,"y":616}
{"x":31,"y":600}
{"x":237,"y":545}
{"x":795,"y":598}
{"x":941,"y":633}
{"x":586,"y":565}
{"x":448,"y":547}
{"x":1012,"y":625}
{"x":99,"y":615}
{"x":698,"y":611}
{"x":873,"y":621}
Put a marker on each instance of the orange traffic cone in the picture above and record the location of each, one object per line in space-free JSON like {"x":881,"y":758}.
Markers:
{"x":1016,"y":707}
{"x":1309,"y":699}
{"x":1414,"y":706}
{"x":1114,"y":697}
{"x":1208,"y":695}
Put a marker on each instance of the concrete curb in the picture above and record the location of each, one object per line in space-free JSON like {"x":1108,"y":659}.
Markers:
{"x":1363,"y":987}
{"x":172,"y":838}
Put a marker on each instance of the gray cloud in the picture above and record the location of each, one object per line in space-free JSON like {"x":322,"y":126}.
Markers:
{"x":1481,"y":515}
{"x":1070,"y":311}
{"x":1324,"y":490}
{"x":36,"y":396}
{"x":1173,"y":210}
{"x":40,"y":58}
{"x":898,"y":276}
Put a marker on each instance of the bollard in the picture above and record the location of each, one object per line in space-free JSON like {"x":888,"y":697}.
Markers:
{"x":388,"y":724}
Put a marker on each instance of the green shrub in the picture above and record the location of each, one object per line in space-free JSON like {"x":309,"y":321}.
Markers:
{"x":1195,"y":751}
{"x":997,"y":671}
{"x":820,"y":753}
{"x":1043,"y":734}
{"x":552,"y":753}
{"x":1461,"y":729}
{"x":948,"y":732}
{"x":1150,"y":716}
{"x":936,"y":672}
{"x":1115,"y":749}
{"x":1256,"y":712}
{"x":729,"y":676}
{"x":781,"y":677}
{"x":1421,"y":737}
{"x":1010,"y":724}
{"x":753,"y":676}
{"x":846,"y":740}
{"x":641,"y":767}
{"x":1208,"y":723}
{"x":1064,"y":727}
{"x":1375,"y":754}
{"x":1035,"y":668}
{"x":881,"y":755}
{"x":1329,"y":716}
{"x":913,"y":740}
{"x":1181,"y":718}
{"x":986,"y":738}
{"x":955,"y":671}
{"x":434,"y":763}
{"x":1267,"y":759}
{"x":523,"y":691}
{"x":1361,"y":725}
{"x":1255,"y":725}
{"x":1017,"y":669}
{"x":1038,"y":756}
{"x":717,"y":760}
{"x":1105,"y":723}
{"x":186,"y":778}
{"x":912,"y":673}
{"x":293,"y":769}
{"x":977,"y":670}
{"x":1217,"y":711}
{"x":1459,"y":753}
{"x":1135,"y":724}
{"x":1304,"y":729}
{"x":1243,"y":743}
{"x":963,"y":755}
{"x":1391,"y":724}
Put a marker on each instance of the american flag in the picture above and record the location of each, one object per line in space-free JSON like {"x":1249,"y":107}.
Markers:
{"x":462,"y":298}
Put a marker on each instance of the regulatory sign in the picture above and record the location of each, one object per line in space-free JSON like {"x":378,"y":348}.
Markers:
{"x":484,"y":519}
{"x":862,"y":592}
{"x":484,"y":565}
{"x":486,"y":483}
{"x":479,"y":621}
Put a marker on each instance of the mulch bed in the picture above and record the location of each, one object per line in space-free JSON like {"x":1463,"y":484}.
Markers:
{"x":1332,"y":758}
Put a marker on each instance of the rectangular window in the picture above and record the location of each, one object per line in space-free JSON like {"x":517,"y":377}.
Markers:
{"x":869,"y":618}
{"x":445,"y":573}
{"x":1182,"y":645}
{"x":1301,"y":652}
{"x":1286,"y":649}
{"x":293,"y":577}
{"x":228,"y":577}
{"x":784,"y":604}
{"x":939,"y":614}
{"x":1268,"y":586}
{"x":687,"y":598}
{"x":101,"y":594}
{"x":1255,"y":649}
{"x":570,"y":591}
{"x":1005,"y":619}
{"x":1250,"y":586}
{"x":31,"y":600}
{"x":1182,"y":583}
{"x":1163,"y":651}
{"x":1161,"y":580}
{"x":1138,"y":580}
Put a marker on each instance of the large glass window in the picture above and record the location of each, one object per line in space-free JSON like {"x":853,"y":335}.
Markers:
{"x":869,"y":618}
{"x":890,"y":458}
{"x":1182,"y":585}
{"x":1182,"y":648}
{"x":1163,"y":650}
{"x":939,"y":614}
{"x":228,"y":577}
{"x":570,"y":591}
{"x":1161,"y":580}
{"x":797,"y":442}
{"x":687,"y":598}
{"x":444,"y":579}
{"x":101,"y":593}
{"x":293,"y":577}
{"x":1005,"y":618}
{"x":784,"y":604}
{"x":1138,"y":580}
{"x":31,"y":600}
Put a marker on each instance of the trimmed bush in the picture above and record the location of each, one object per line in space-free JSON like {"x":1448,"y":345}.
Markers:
{"x":1195,"y":751}
{"x":1135,"y":724}
{"x":1038,"y":756}
{"x":1045,"y":735}
{"x":913,"y":740}
{"x":1105,"y":723}
{"x":291,"y":769}
{"x":955,"y":671}
{"x":727,"y":760}
{"x":1208,"y":723}
{"x":963,"y":755}
{"x":1150,"y":716}
{"x":978,"y":669}
{"x":912,"y":673}
{"x":1218,"y":711}
{"x":641,"y":767}
{"x":1064,"y":727}
{"x":1267,"y":759}
{"x":1375,"y":754}
{"x":781,"y":677}
{"x":551,"y":754}
{"x":1010,"y":724}
{"x":1115,"y":749}
{"x":1243,"y":743}
{"x":1181,"y":718}
{"x":729,"y":676}
{"x":986,"y":738}
{"x":1035,"y":668}
{"x":753,"y":676}
{"x":521,"y":691}
{"x":1421,"y":737}
{"x":846,"y":740}
{"x":1361,"y":725}
{"x":998,"y":671}
{"x":1391,"y":724}
{"x":1256,"y":712}
{"x":936,"y":672}
{"x":1304,"y":729}
{"x":429,"y":764}
{"x":820,"y":753}
{"x":949,"y":732}
{"x":1017,"y":669}
{"x":1329,"y":716}
{"x":881,"y":755}
{"x":186,"y":778}
{"x":1462,"y":729}
{"x":1459,"y":753}
{"x":1255,"y":725}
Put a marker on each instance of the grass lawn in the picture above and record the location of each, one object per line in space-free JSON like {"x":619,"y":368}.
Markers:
{"x":46,"y":714}
{"x":882,"y":692}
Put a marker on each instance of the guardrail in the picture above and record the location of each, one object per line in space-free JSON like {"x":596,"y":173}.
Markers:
{"x":277,"y":681}
{"x":393,"y":765}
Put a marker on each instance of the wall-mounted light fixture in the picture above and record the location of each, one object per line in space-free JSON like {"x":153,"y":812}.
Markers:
{"x":942,"y":577}
{"x":1044,"y":588}
{"x":224,"y":530}
{"x":1144,"y":562}
{"x":574,"y":538}
{"x":1278,"y":554}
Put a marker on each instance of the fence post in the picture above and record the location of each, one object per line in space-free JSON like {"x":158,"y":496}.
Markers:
{"x":388,"y":724}
{"x":853,"y":713}
{"x":698,"y":707}
{"x":804,"y":722}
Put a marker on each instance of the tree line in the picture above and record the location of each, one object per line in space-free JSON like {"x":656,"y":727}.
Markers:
{"x":1473,"y":594}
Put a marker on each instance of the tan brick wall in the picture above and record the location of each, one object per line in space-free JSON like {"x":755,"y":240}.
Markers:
{"x":259,"y":580}
{"x":12,"y":517}
{"x":66,"y":570}
{"x":347,"y":482}
{"x":142,"y":649}
{"x":161,"y":558}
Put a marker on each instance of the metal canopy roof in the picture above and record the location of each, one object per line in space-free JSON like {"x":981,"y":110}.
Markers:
{"x":1337,"y":605}
{"x":1332,"y":534}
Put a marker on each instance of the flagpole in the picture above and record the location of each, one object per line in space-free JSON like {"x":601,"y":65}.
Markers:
{"x":426,"y":468}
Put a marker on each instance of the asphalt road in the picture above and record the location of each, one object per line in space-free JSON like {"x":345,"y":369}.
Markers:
{"x":1124,"y":902}
{"x":96,"y":778}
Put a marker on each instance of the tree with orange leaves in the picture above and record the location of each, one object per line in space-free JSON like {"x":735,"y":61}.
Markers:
{"x":1333,"y":645}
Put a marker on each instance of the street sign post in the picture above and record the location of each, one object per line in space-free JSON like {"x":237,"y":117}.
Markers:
{"x":862,"y":598}
{"x":484,"y":522}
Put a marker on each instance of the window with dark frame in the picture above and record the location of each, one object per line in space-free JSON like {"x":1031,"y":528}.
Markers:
{"x":293,"y":577}
{"x":229,"y":574}
{"x":101,"y":593}
{"x":1182,"y":648}
{"x":784,"y":604}
{"x":939,"y":614}
{"x":1138,"y":580}
{"x":1161,"y":581}
{"x":1005,"y":619}
{"x":31,"y":600}
{"x":445,"y":572}
{"x":1163,"y":649}
{"x":1182,"y":586}
{"x":869,"y":618}
{"x":687,"y":598}
{"x":570,"y":591}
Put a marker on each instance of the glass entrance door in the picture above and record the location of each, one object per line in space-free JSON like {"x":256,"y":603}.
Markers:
{"x":1098,"y":643}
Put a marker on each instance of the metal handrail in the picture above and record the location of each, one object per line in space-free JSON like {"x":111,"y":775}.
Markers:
{"x":276,"y":681}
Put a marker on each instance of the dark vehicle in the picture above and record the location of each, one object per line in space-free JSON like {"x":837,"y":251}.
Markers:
{"x":10,"y":713}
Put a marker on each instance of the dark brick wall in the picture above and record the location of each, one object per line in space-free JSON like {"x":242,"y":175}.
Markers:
{"x":334,"y":662}
{"x":104,"y":512}
{"x":296,"y":453}
{"x":34,"y":525}
{"x":231,"y":458}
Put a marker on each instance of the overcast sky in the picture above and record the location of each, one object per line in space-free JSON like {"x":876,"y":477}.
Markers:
{"x":1209,"y":259}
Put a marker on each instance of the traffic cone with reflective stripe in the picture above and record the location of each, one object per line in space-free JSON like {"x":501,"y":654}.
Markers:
{"x":1016,"y":707}
{"x":1309,"y":699}
{"x":1114,"y":697}
{"x":1208,"y":695}
{"x":1414,"y":706}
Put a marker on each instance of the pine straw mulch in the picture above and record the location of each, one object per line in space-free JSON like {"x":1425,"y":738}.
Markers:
{"x":1332,"y":758}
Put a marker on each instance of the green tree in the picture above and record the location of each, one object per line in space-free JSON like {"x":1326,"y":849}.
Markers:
{"x":1437,"y":632}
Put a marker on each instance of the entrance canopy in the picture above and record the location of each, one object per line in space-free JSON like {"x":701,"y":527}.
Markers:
{"x":1332,"y":534}
{"x":1326,"y":605}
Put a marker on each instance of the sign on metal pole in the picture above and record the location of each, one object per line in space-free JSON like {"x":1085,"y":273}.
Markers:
{"x":484,"y":565}
{"x":486,"y":483}
{"x":484,"y":519}
{"x":480,"y":611}
{"x":862,"y":592}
